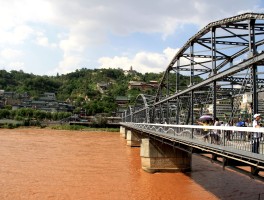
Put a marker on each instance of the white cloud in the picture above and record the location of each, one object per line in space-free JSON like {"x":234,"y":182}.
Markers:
{"x":42,"y":40}
{"x":69,"y":64}
{"x":15,"y":66}
{"x":15,"y":37}
{"x":16,"y":15}
{"x":142,"y":62}
{"x":126,"y":17}
{"x":81,"y":26}
{"x":90,"y":22}
{"x":10,"y":54}
{"x":9,"y":59}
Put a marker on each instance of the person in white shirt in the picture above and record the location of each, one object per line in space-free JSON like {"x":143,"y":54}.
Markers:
{"x":216,"y":133}
{"x":256,"y":135}
{"x":228,"y":133}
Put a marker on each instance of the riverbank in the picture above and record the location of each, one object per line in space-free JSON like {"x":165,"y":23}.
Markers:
{"x":57,"y":125}
{"x":13,"y":124}
{"x":82,"y":128}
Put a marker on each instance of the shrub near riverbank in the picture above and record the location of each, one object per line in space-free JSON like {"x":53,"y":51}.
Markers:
{"x":82,"y":128}
{"x":10,"y":124}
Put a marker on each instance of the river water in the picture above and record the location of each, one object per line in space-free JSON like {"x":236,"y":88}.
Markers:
{"x":48,"y":164}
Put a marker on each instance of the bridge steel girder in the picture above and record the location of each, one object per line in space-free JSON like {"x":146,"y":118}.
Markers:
{"x":128,"y":114}
{"x":239,"y":80}
{"x":213,"y":57}
{"x":211,"y":54}
{"x":141,"y":111}
{"x":219,"y":76}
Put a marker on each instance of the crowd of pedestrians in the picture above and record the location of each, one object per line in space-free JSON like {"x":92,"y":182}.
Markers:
{"x":217,"y":136}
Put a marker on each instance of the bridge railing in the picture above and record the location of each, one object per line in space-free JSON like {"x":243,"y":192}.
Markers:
{"x":247,"y":139}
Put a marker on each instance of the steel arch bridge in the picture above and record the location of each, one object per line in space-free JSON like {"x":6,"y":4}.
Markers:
{"x":224,"y":65}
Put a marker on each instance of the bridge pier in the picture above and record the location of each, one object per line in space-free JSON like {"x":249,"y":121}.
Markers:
{"x":158,"y":157}
{"x":254,"y":170}
{"x":132,"y":139}
{"x":123,"y":131}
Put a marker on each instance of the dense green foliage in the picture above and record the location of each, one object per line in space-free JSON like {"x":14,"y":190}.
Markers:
{"x":78,"y":88}
{"x":32,"y":114}
{"x":83,"y":128}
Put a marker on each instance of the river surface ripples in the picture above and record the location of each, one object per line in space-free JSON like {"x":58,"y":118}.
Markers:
{"x":78,"y":165}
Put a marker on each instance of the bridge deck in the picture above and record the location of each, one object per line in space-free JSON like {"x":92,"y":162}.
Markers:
{"x":190,"y":138}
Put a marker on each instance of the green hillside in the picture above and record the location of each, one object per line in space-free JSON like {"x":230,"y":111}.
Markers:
{"x":80,"y":87}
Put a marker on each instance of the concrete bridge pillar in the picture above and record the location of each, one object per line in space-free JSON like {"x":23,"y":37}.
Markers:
{"x":132,"y":139}
{"x":123,"y":131}
{"x":157,"y":157}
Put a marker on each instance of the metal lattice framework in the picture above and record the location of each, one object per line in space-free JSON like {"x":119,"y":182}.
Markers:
{"x":223,"y":61}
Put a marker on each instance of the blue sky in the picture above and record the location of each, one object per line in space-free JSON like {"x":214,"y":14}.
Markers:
{"x":46,"y":37}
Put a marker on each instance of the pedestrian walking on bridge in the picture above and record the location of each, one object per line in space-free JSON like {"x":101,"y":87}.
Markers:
{"x":216,"y":133}
{"x":256,"y":135}
{"x":205,"y":132}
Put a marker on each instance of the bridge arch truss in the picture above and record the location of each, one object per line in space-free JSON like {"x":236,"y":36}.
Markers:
{"x":224,"y":62}
{"x":140,"y":112}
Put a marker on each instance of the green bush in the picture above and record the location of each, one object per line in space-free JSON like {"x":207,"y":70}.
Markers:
{"x":10,"y":125}
{"x":84,"y":128}
{"x":26,"y":122}
{"x":68,"y":127}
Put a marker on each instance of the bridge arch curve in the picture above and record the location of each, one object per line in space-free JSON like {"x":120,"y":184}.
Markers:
{"x":128,"y":114}
{"x":141,"y":109}
{"x":224,"y":60}
{"x":212,"y":73}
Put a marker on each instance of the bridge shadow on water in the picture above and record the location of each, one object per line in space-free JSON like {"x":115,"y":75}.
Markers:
{"x":225,"y":183}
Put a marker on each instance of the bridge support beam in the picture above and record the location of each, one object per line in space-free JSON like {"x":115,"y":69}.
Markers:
{"x":158,"y":157}
{"x":123,"y":131}
{"x":132,"y":139}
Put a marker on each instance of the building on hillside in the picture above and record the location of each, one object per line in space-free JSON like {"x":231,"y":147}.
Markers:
{"x":119,"y":111}
{"x":2,"y":103}
{"x":37,"y":104}
{"x":130,"y":71}
{"x":47,"y":102}
{"x":103,"y":87}
{"x":154,"y":83}
{"x":142,"y":85}
{"x":246,"y":104}
{"x":2,"y":92}
{"x":12,"y":101}
{"x":48,"y":96}
{"x":11,"y":98}
{"x":122,"y":101}
{"x":135,"y":85}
